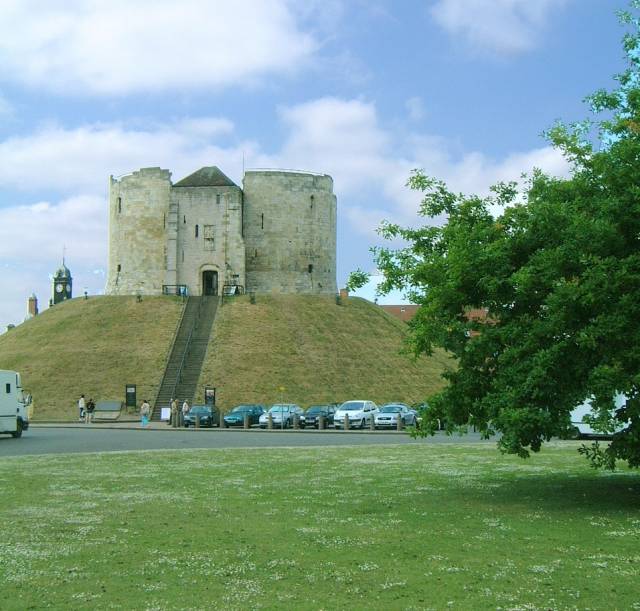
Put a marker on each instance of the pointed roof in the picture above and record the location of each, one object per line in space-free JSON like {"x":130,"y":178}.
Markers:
{"x":210,"y":176}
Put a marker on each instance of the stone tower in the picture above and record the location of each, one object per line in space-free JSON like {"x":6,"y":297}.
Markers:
{"x":290,"y":232}
{"x":138,"y":213}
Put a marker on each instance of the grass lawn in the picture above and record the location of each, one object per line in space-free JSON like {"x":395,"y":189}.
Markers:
{"x":414,"y":527}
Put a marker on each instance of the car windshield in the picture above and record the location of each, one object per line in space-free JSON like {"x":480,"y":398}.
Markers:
{"x":390,"y":409}
{"x":241,"y":409}
{"x":277,"y":409}
{"x":317,"y":409}
{"x":199,"y":409}
{"x":352,"y":406}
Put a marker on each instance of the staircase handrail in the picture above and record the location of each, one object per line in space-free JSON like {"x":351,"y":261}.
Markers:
{"x":184,"y":356}
{"x":173,"y":342}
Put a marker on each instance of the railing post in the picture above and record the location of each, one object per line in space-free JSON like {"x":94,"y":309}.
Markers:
{"x":246,"y":421}
{"x":399,"y":423}
{"x":296,"y":421}
{"x":346,"y":421}
{"x":197,"y":421}
{"x":372,"y":423}
{"x":321,"y":422}
{"x":269,"y":421}
{"x":221,"y":420}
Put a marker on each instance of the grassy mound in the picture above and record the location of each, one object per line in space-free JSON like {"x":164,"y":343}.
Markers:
{"x":294,"y":348}
{"x":310,"y":350}
{"x":92,"y":346}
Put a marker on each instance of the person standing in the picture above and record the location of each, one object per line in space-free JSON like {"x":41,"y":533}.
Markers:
{"x":145,"y":410}
{"x":174,"y":413}
{"x":82,"y":404}
{"x":185,"y":411}
{"x":88,"y":412}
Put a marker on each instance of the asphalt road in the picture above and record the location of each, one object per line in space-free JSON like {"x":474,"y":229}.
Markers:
{"x":53,"y":440}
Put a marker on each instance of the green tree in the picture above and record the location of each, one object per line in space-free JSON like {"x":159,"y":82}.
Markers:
{"x":556,"y":270}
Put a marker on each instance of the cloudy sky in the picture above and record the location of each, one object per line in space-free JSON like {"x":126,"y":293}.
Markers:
{"x":364,"y":90}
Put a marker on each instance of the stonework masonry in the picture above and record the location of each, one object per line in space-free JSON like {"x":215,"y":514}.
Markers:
{"x":277,"y":235}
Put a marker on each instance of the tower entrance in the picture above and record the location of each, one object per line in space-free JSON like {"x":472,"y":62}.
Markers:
{"x":209,"y":282}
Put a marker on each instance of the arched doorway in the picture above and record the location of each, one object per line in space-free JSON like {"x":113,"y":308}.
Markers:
{"x":209,"y":282}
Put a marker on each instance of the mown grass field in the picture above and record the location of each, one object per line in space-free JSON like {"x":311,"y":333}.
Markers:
{"x":411,"y":527}
{"x":316,"y":352}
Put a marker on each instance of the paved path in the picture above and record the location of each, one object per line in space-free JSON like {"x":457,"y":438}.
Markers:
{"x":44,"y":439}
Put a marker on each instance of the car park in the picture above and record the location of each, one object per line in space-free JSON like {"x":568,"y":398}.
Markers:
{"x":358,"y":413}
{"x":236,"y":416}
{"x":208,"y":416}
{"x":282,"y":415}
{"x":313,"y":413}
{"x":387,"y":416}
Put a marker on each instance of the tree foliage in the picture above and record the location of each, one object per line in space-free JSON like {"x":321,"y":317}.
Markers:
{"x":555,"y":266}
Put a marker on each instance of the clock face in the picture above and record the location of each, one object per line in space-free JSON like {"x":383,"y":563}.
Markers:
{"x":68,"y":288}
{"x":59,"y":288}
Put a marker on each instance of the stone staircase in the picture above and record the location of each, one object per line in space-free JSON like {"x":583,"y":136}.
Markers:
{"x":189,"y":348}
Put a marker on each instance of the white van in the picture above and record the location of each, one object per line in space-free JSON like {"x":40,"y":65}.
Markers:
{"x":13,"y":404}
{"x":585,"y":430}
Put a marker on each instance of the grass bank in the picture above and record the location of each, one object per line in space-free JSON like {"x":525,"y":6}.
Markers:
{"x":316,"y":352}
{"x":413,"y":527}
{"x":93,"y":346}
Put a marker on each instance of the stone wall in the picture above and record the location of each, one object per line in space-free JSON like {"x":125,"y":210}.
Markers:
{"x":138,"y":209}
{"x":209,"y":235}
{"x":290,"y":232}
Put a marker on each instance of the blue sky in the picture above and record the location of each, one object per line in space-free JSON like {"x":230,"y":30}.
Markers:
{"x":364,"y":90}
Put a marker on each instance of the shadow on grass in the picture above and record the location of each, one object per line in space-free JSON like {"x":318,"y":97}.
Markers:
{"x":595,"y":492}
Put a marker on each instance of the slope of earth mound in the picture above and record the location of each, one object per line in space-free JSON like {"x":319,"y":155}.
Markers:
{"x":308,"y":349}
{"x":93,"y":346}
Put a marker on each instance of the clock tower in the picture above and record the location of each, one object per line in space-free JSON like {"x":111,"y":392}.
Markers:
{"x":62,"y":284}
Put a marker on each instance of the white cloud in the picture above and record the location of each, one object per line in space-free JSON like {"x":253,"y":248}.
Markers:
{"x":370,"y":163}
{"x":118,"y":46}
{"x":81,"y":159}
{"x":30,"y":234}
{"x":500,"y":26}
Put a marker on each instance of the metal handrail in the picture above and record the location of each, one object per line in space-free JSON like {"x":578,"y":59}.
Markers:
{"x":173,"y":341}
{"x":187,"y":345}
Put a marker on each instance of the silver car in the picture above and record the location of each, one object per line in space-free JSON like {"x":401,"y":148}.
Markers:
{"x":387,"y":417}
{"x":282,"y":415}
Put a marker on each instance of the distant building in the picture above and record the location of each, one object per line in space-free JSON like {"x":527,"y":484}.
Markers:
{"x":403,"y":312}
{"x":62,"y":287}
{"x":32,"y":306}
{"x":204,"y":234}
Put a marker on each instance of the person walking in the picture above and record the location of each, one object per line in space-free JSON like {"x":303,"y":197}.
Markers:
{"x":82,"y":404}
{"x":88,"y":412}
{"x":145,"y":410}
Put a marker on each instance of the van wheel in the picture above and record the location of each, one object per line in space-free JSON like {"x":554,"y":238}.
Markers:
{"x":18,"y":432}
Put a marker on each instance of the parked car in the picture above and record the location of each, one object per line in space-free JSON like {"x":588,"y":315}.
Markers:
{"x":359,"y":413}
{"x":585,"y":430}
{"x":313,"y":413}
{"x":282,"y":416}
{"x":208,"y":416}
{"x":236,"y":416}
{"x":388,"y":415}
